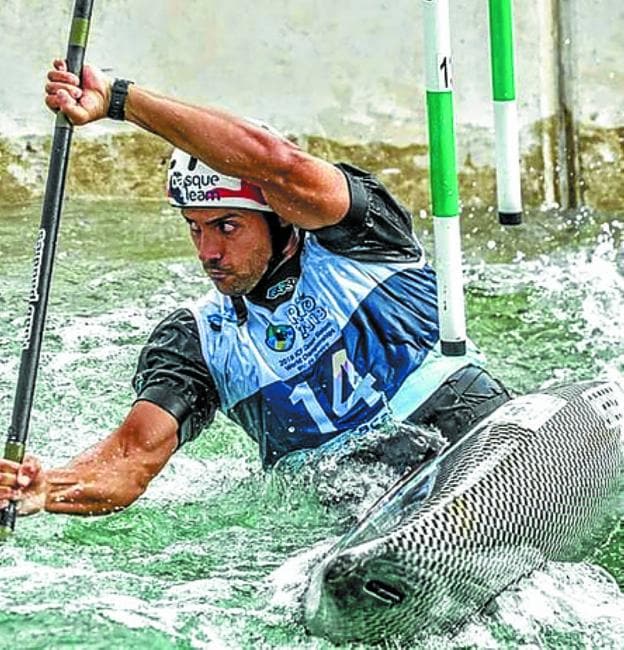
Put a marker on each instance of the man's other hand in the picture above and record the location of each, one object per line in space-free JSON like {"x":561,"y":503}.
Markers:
{"x":25,"y":484}
{"x":80,"y":104}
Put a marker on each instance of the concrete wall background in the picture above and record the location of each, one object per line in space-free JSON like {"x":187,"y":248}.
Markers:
{"x":350,"y":71}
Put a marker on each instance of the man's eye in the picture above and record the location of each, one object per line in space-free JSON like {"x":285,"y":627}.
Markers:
{"x":226,"y":227}
{"x":194,"y":228}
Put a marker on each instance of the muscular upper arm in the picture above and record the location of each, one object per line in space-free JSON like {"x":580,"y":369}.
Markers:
{"x":139,"y":448}
{"x":376,"y":227}
{"x":148,"y":437}
{"x":310,"y":193}
{"x":301,"y":188}
{"x":171,"y":373}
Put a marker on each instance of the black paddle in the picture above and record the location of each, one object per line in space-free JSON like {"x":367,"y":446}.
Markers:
{"x":43,"y":262}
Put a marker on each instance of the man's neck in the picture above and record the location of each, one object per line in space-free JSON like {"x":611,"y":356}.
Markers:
{"x":280,"y":280}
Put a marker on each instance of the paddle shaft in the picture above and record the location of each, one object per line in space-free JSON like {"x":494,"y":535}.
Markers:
{"x":43,"y":262}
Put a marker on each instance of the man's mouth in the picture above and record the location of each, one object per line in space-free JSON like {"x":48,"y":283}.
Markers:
{"x":216,"y":274}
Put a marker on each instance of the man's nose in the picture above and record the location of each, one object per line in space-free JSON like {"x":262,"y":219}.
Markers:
{"x":209,"y":249}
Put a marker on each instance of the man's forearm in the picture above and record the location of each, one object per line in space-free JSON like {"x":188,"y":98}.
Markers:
{"x":304,"y":190}
{"x":90,"y":491}
{"x":220,"y":139}
{"x":105,"y":478}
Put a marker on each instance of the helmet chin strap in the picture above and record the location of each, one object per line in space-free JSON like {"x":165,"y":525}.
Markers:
{"x":280,"y":236}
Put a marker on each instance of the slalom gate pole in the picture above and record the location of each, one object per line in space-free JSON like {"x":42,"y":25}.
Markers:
{"x":505,"y":112}
{"x":43,"y":263}
{"x":443,"y":177}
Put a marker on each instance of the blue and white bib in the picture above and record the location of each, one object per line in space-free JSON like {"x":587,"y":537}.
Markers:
{"x":355,"y":345}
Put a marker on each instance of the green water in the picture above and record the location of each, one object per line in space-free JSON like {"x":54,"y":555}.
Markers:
{"x":215,"y":554}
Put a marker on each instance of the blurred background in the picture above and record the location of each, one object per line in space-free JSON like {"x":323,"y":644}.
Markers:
{"x":327,"y":73}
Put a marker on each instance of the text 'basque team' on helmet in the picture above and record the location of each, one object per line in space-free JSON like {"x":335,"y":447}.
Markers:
{"x":193,"y":184}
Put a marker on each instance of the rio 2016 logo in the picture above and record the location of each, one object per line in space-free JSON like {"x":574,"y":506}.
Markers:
{"x":305,"y":315}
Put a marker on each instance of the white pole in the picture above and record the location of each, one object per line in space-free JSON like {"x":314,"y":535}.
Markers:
{"x":508,"y":186}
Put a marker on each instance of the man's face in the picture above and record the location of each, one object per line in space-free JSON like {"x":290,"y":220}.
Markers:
{"x":233,"y":245}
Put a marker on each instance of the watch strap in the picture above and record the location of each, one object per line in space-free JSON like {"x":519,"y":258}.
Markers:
{"x":119,"y":93}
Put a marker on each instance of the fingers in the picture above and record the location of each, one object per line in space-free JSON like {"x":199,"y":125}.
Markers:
{"x":63,"y":101}
{"x":16,"y":475}
{"x":8,"y":473}
{"x":64,"y":77}
{"x":26,"y":504}
{"x":81,"y":103}
{"x":52,"y":88}
{"x":7,"y":495}
{"x":63,"y":88}
{"x":28,"y":471}
{"x":61,"y":83}
{"x":21,"y":483}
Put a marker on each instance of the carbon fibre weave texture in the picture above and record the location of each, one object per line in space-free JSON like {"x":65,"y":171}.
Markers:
{"x":529,"y":484}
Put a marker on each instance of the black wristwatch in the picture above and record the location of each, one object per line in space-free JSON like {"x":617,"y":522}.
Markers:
{"x":119,"y":92}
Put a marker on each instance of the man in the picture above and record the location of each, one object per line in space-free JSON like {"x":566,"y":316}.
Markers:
{"x":323,"y":324}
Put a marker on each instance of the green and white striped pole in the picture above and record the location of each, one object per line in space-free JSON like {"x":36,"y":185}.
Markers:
{"x":443,"y":177}
{"x":505,"y":113}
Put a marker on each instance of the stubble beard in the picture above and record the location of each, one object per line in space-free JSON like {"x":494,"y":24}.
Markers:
{"x":238,"y":285}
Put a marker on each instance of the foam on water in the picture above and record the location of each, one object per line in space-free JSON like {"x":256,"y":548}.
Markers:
{"x":190,"y":479}
{"x":562,"y":606}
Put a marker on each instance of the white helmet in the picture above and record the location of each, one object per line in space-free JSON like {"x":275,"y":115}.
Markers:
{"x":193,"y":184}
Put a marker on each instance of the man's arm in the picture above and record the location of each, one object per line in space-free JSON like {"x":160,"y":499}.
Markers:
{"x":302,"y":189}
{"x":103,"y":479}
